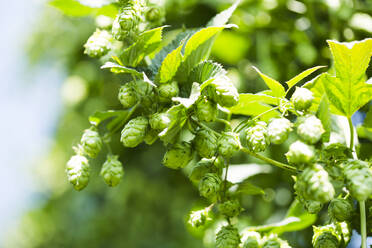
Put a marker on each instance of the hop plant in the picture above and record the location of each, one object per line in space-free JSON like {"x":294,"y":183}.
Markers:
{"x":223,"y":91}
{"x":128,"y":95}
{"x":91,"y":142}
{"x":178,"y":156}
{"x":257,"y":138}
{"x":326,"y":237}
{"x":199,"y":218}
{"x":310,"y":129}
{"x":98,"y":44}
{"x":251,"y":239}
{"x":134,"y":131}
{"x":228,"y":143}
{"x":209,"y":185}
{"x":230,"y":208}
{"x":285,"y":106}
{"x":159,"y":121}
{"x":228,"y":237}
{"x":273,"y":241}
{"x":205,"y":143}
{"x":340,"y":210}
{"x":278,"y":130}
{"x":167,"y":91}
{"x":78,"y":171}
{"x":302,"y":99}
{"x":358,"y":178}
{"x":300,"y":153}
{"x":155,"y":14}
{"x":313,"y":207}
{"x":313,"y":183}
{"x":112,"y":170}
{"x":206,"y":110}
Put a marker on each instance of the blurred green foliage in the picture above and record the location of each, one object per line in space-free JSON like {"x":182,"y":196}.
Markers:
{"x":148,"y":208}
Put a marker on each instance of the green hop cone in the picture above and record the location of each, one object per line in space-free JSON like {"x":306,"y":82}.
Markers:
{"x":302,"y":99}
{"x":205,"y":143}
{"x":273,"y":241}
{"x":91,"y":142}
{"x":257,"y":138}
{"x":199,"y":218}
{"x":98,"y":44}
{"x":128,"y":95}
{"x":230,"y":208}
{"x":129,"y":18}
{"x":278,"y":130}
{"x":300,"y":153}
{"x":313,"y":207}
{"x":167,"y":91}
{"x":228,"y":143}
{"x":326,"y":237}
{"x":78,"y":171}
{"x":134,"y":131}
{"x":159,"y":121}
{"x":358,"y":178}
{"x":310,"y":129}
{"x":206,"y":110}
{"x":340,"y":210}
{"x":155,"y":14}
{"x":117,"y":31}
{"x":251,"y":239}
{"x":314,"y":184}
{"x":228,"y":237}
{"x":112,"y":171}
{"x":178,"y":155}
{"x":210,"y":185}
{"x":223,"y":91}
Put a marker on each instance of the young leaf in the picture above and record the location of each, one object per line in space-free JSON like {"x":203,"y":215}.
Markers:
{"x":223,"y":17}
{"x":116,"y":68}
{"x":178,"y":118}
{"x":205,"y":71}
{"x":276,"y":88}
{"x":292,"y":82}
{"x":324,"y":116}
{"x":146,"y":43}
{"x":254,"y":108}
{"x":247,"y":188}
{"x":169,"y":66}
{"x":188,"y":102}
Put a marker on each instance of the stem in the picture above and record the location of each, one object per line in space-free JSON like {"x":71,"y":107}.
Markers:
{"x":225,"y":181}
{"x":362,"y":205}
{"x":270,"y":161}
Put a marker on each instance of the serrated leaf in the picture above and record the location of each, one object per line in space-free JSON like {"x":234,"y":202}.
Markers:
{"x":194,"y":95}
{"x":248,"y":188}
{"x":324,"y":115}
{"x":276,"y":88}
{"x":112,"y":120}
{"x":76,"y":8}
{"x":292,"y":82}
{"x":169,"y":66}
{"x":206,"y":70}
{"x":116,"y":68}
{"x":178,"y":118}
{"x":146,"y":43}
{"x":223,"y":17}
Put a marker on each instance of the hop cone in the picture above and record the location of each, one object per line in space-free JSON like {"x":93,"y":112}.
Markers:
{"x":230,"y":208}
{"x":302,"y":99}
{"x":310,"y":129}
{"x":251,"y":239}
{"x":300,"y":153}
{"x":199,"y":218}
{"x":155,"y":14}
{"x":285,"y":106}
{"x":159,"y":121}
{"x":78,"y":171}
{"x":134,"y":131}
{"x":206,"y":110}
{"x":128,"y":95}
{"x":98,"y":44}
{"x":326,"y":237}
{"x":209,"y":185}
{"x":340,"y":210}
{"x":228,"y":237}
{"x":278,"y":130}
{"x":178,"y":156}
{"x":358,"y":178}
{"x":112,"y":171}
{"x":273,"y":241}
{"x":91,"y":142}
{"x":257,"y":139}
{"x":223,"y":91}
{"x":228,"y":143}
{"x":205,"y":143}
{"x":167,"y":91}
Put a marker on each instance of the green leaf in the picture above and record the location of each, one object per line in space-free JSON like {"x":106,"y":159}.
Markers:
{"x":116,"y":68}
{"x":368,"y":120}
{"x":276,"y":88}
{"x":112,"y":120}
{"x":146,"y":43}
{"x":178,"y":118}
{"x":247,"y":188}
{"x":194,"y":95}
{"x":169,"y":66}
{"x":206,"y":70}
{"x":223,"y":17}
{"x":76,"y":8}
{"x":292,"y":82}
{"x":324,"y":115}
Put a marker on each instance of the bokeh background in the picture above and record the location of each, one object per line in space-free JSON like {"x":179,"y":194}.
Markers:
{"x":49,"y":88}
